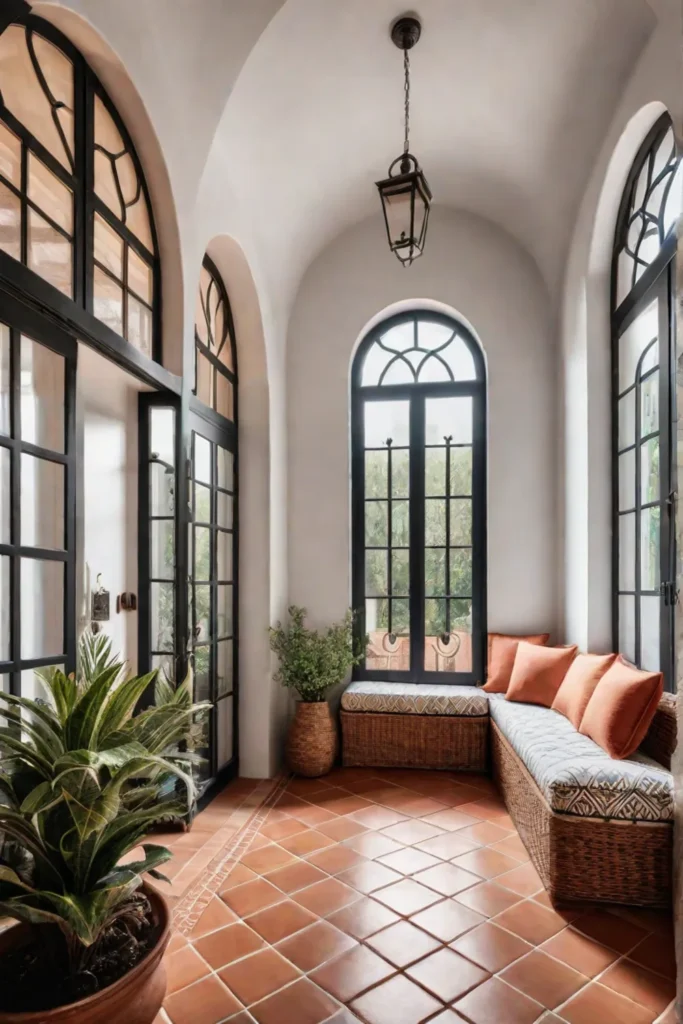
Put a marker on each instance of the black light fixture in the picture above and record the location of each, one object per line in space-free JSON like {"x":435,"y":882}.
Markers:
{"x":406,"y":196}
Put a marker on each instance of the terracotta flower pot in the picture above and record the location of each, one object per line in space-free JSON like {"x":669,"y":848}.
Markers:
{"x":312,"y":741}
{"x":135,"y":998}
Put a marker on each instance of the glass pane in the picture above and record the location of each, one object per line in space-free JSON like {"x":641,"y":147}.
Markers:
{"x":162,"y":487}
{"x":202,"y":554}
{"x":108,"y":247}
{"x":400,"y":473}
{"x":435,"y":617}
{"x":162,"y":548}
{"x":448,"y":417}
{"x":650,"y":608}
{"x":400,"y":617}
{"x":202,"y":612}
{"x":376,"y":574}
{"x":224,"y":555}
{"x":400,"y":523}
{"x":202,"y":688}
{"x":4,"y":608}
{"x":627,"y":419}
{"x":649,"y":549}
{"x":161,"y":616}
{"x":42,"y":396}
{"x":49,"y":194}
{"x":42,"y":607}
{"x":384,"y":420}
{"x":224,"y":610}
{"x":452,"y":651}
{"x":10,"y":222}
{"x":627,"y":480}
{"x":166,"y":665}
{"x":435,"y":571}
{"x":107,"y":300}
{"x":224,"y":726}
{"x":109,"y":144}
{"x":139,"y":326}
{"x":224,"y":663}
{"x":224,"y":397}
{"x":42,"y":503}
{"x":202,"y":459}
{"x":224,"y":503}
{"x":49,"y":253}
{"x":10,"y":156}
{"x":140,"y":277}
{"x":376,"y":474}
{"x":435,"y":521}
{"x":162,"y":430}
{"x":649,"y":470}
{"x":461,"y":521}
{"x":205,"y":374}
{"x":627,"y":626}
{"x":634,"y":341}
{"x":376,"y":523}
{"x":461,"y":471}
{"x":627,"y":551}
{"x":32,"y":686}
{"x":400,"y":573}
{"x":435,"y":471}
{"x":387,"y":652}
{"x":461,"y":571}
{"x":649,"y":405}
{"x":138,"y":220}
{"x":4,"y":380}
{"x":5,"y":536}
{"x":225,"y":468}
{"x":202,"y":504}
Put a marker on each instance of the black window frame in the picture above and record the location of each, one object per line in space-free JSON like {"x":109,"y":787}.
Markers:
{"x":227,"y":339}
{"x":417,"y":394}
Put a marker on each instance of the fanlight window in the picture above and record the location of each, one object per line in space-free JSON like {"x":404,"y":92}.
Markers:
{"x":418,"y":352}
{"x":73,"y":202}
{"x":215,"y":360}
{"x":653,"y":205}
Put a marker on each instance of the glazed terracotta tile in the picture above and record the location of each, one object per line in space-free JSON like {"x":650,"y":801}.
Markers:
{"x":352,"y":973}
{"x":238,"y":876}
{"x":216,"y":915}
{"x":378,"y":817}
{"x":316,"y":945}
{"x":341,"y":828}
{"x":513,"y":847}
{"x":248,"y":899}
{"x":484,"y":833}
{"x":595,"y":1003}
{"x":451,"y":820}
{"x":447,"y":920}
{"x":396,"y":1001}
{"x":326,"y":897}
{"x":548,"y":981}
{"x":402,"y":943}
{"x":447,"y":975}
{"x":486,"y":863}
{"x":302,"y":1002}
{"x":268,"y":858}
{"x":531,"y":921}
{"x":312,"y":815}
{"x":447,"y":879}
{"x":486,"y":808}
{"x":228,"y":944}
{"x":369,"y":875}
{"x":363,"y":918}
{"x":184,"y":967}
{"x":278,"y":922}
{"x":448,"y":846}
{"x":296,"y":876}
{"x":494,"y":1002}
{"x":610,"y":930}
{"x":579,"y":951}
{"x":422,"y":807}
{"x":335,"y":859}
{"x":568,"y":911}
{"x":629,"y":979}
{"x":491,"y":947}
{"x":524,"y":879}
{"x":448,"y":1017}
{"x":656,"y":952}
{"x":306,"y":842}
{"x":206,"y":1002}
{"x":406,"y":897}
{"x":372,"y":845}
{"x":488,"y":899}
{"x":258,"y":975}
{"x":411,"y":832}
{"x":307,"y":788}
{"x":409,"y":861}
{"x":347,"y":803}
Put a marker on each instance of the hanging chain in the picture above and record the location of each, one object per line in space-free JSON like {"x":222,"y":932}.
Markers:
{"x":406,"y":67}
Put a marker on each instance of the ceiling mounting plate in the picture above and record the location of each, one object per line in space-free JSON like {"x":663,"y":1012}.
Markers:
{"x":406,"y":31}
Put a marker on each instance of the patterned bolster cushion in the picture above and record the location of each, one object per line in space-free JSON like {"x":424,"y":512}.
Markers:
{"x":415,"y":699}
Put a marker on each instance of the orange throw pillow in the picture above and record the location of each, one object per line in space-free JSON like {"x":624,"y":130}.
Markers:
{"x":622,"y":706}
{"x":538,"y":673}
{"x":502,"y":651}
{"x":578,"y":686}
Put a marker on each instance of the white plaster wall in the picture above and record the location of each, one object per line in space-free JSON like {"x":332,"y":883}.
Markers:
{"x":477,"y":270}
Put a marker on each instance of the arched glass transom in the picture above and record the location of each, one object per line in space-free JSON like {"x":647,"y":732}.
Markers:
{"x":419,"y":499}
{"x":74,"y":206}
{"x":215,"y":356}
{"x":643,"y":361}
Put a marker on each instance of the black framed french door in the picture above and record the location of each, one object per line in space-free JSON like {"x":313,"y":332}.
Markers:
{"x":213,"y":583}
{"x":37,"y":498}
{"x":419,"y":530}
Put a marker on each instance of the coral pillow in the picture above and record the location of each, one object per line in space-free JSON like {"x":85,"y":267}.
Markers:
{"x":622,"y":706}
{"x":578,"y":686}
{"x":502,"y":651}
{"x":538,"y":673}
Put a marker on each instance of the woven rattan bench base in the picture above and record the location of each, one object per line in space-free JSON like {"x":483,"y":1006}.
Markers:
{"x":374,"y":739}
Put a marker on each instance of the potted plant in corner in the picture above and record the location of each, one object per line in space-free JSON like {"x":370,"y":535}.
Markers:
{"x":81,"y":782}
{"x":310,"y":663}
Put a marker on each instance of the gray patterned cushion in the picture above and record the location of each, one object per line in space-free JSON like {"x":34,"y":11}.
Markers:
{"x":415,"y":699}
{"x":577,"y":776}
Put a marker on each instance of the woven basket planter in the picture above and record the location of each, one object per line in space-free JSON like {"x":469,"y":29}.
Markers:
{"x":312,"y":741}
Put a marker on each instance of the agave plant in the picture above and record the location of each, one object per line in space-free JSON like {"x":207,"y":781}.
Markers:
{"x":81,"y":778}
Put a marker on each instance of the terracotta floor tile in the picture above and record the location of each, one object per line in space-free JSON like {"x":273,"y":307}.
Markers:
{"x":491,"y":947}
{"x":610,"y":930}
{"x":412,"y":832}
{"x":347,"y":803}
{"x":487,"y":863}
{"x":176,"y":942}
{"x":278,"y":922}
{"x":306,"y":842}
{"x":296,"y":876}
{"x":660,"y":921}
{"x":447,"y":879}
{"x":422,"y":806}
{"x":447,"y":975}
{"x":353,"y":973}
{"x":231,"y":943}
{"x":282,"y":829}
{"x":268,"y":858}
{"x":372,"y":845}
{"x":485,"y":832}
{"x":595,"y":1003}
{"x":656,"y":952}
{"x":307,"y":787}
{"x":312,"y":815}
{"x":524,"y":879}
{"x":403,"y":943}
{"x":579,"y":951}
{"x":397,"y":1001}
{"x":248,"y":899}
{"x":448,"y":1017}
{"x":335,"y":859}
{"x":406,"y":897}
{"x":448,"y":846}
{"x":513,"y":847}
{"x":488,"y":899}
{"x":324,"y":797}
{"x":451,"y":820}
{"x":378,"y":817}
{"x":629,"y":979}
{"x":363,"y":918}
{"x":184,"y":967}
{"x":216,"y":916}
{"x":494,"y":1002}
{"x":316,"y":945}
{"x":238,"y":876}
{"x":344,"y":1017}
{"x":206,"y":1002}
{"x":485,"y":808}
{"x":341,"y":828}
{"x":531,"y":921}
{"x":447,"y":920}
{"x":369,"y":875}
{"x":258,"y":975}
{"x":547,"y":981}
{"x":409,"y":861}
{"x":326,"y":897}
{"x":303,"y":1003}
{"x":569,"y":912}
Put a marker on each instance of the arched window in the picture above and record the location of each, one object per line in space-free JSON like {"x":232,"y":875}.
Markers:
{"x":214,"y":335}
{"x":419,"y":500}
{"x":74,"y":205}
{"x":643,"y":361}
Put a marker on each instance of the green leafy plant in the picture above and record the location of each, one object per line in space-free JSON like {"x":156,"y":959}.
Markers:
{"x":312,"y":661}
{"x":81,"y":782}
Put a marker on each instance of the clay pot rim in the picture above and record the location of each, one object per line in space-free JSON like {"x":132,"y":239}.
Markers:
{"x":157,"y":950}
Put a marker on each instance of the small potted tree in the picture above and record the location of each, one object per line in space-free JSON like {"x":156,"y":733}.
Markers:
{"x":310,"y":663}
